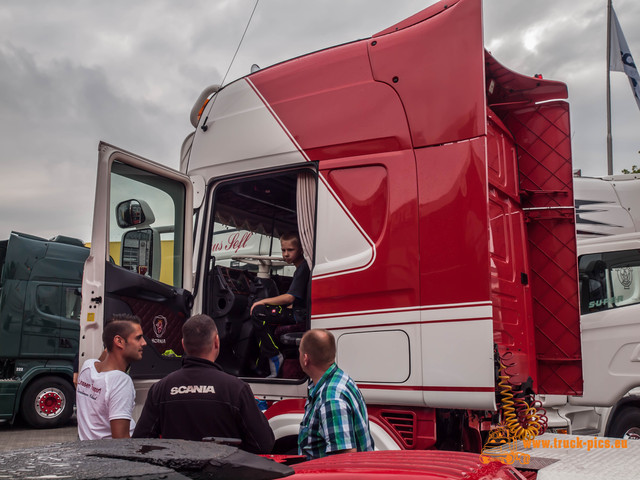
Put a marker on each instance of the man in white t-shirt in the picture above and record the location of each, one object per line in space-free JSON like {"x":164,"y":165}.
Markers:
{"x":105,"y":395}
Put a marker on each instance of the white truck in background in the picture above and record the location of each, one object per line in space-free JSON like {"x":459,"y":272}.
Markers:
{"x":607,"y":205}
{"x":608,"y":227}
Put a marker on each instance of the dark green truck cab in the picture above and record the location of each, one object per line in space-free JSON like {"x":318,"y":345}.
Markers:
{"x":39,"y":327}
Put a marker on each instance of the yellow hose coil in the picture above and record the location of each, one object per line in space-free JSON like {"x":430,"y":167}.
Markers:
{"x":522,"y":420}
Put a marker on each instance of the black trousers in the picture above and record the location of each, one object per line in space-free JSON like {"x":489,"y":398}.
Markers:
{"x":266,"y":318}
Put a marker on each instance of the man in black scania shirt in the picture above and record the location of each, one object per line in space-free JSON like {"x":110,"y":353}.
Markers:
{"x":200,"y":400}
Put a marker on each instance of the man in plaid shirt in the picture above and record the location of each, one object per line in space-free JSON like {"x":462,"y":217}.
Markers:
{"x":335,"y":416}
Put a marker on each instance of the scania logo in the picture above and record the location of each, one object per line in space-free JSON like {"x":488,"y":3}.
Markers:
{"x":625,"y":275}
{"x":159,"y":325}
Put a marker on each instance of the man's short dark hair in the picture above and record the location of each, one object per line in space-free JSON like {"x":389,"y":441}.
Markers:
{"x":320,"y":346}
{"x":120,"y":324}
{"x":198,"y":334}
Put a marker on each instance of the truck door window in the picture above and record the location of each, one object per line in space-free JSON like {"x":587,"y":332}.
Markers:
{"x":72,"y":303}
{"x":146,"y":223}
{"x":48,"y":299}
{"x":50,"y":302}
{"x":609,"y":280}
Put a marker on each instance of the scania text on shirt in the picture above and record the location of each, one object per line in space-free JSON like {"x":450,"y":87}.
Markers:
{"x":192,"y":389}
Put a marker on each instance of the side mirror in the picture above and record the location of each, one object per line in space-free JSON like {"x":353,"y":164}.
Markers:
{"x":134,"y":213}
{"x":141,"y":252}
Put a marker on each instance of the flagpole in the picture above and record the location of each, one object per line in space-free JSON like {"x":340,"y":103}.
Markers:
{"x":609,"y":147}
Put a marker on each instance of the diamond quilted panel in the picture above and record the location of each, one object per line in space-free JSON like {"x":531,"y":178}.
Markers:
{"x":546,"y":190}
{"x":161,"y":326}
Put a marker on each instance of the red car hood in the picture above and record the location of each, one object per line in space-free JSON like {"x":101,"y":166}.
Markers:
{"x":404,"y":464}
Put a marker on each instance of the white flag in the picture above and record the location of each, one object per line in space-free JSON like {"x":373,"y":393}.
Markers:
{"x":621,"y":59}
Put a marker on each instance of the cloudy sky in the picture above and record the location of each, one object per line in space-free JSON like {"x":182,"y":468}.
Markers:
{"x":74,"y":72}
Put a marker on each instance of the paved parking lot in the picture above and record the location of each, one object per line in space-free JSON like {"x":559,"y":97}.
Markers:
{"x":20,"y":435}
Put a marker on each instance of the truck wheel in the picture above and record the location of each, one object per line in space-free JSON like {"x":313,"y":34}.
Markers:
{"x":47,"y":402}
{"x":626,"y":424}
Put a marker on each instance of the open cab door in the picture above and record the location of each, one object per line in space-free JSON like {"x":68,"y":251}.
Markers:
{"x":140,"y":260}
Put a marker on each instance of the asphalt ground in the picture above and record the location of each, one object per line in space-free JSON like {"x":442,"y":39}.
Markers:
{"x":20,"y":435}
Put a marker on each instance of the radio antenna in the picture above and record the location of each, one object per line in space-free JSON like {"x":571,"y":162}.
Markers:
{"x":204,"y":124}
{"x":240,"y":42}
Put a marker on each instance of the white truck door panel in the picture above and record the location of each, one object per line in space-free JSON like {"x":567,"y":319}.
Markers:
{"x":141,"y":257}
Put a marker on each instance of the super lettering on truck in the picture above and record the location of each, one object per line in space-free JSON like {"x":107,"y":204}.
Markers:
{"x":431,"y":188}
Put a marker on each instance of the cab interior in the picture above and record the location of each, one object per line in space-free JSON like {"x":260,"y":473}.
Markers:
{"x":244,"y":264}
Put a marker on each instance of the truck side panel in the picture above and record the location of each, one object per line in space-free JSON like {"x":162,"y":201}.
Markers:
{"x":369,"y":306}
{"x":457,"y":333}
{"x":510,"y":289}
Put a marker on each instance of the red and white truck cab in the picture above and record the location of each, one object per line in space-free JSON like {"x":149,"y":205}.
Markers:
{"x":432,"y":191}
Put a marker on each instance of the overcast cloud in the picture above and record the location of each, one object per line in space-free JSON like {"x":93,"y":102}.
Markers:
{"x":74,"y":72}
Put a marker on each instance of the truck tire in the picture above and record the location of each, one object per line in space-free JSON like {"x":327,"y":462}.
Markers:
{"x":47,"y":402}
{"x":626,"y":424}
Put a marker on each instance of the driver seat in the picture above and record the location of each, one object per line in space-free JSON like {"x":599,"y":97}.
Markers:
{"x":288,"y":337}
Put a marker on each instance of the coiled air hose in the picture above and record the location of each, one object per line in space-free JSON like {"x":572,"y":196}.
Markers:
{"x":523,"y":419}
